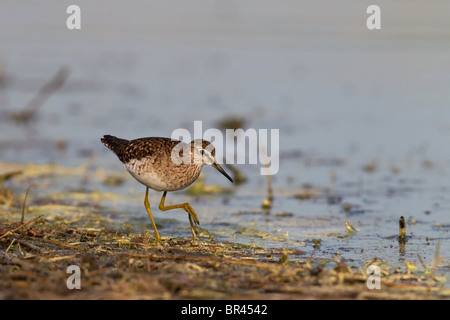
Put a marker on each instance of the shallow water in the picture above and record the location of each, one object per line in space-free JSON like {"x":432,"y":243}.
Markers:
{"x":342,"y":97}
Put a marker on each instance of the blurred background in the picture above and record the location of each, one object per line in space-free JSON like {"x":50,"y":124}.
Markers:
{"x":363,"y":113}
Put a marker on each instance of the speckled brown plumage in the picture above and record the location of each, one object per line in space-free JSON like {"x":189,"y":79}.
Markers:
{"x":137,"y":148}
{"x":149,"y":161}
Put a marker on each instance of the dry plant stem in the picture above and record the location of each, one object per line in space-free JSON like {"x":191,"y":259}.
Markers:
{"x":269,"y":187}
{"x":269,"y":183}
{"x":54,"y":259}
{"x":23,"y":205}
{"x":402,"y":230}
{"x":423,"y":263}
{"x":267,"y":202}
{"x":10,"y":245}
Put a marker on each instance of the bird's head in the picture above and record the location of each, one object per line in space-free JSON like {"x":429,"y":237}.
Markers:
{"x":203,"y":152}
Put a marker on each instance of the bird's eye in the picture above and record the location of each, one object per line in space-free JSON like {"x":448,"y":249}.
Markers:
{"x":202,"y":152}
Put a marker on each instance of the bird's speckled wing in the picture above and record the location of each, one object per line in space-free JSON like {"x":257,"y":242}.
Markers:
{"x":140,"y":148}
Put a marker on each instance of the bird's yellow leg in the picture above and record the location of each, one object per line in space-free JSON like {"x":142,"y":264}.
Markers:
{"x":186,"y":206}
{"x":147,"y":206}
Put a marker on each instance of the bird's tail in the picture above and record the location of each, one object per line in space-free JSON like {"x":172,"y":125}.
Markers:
{"x":113,"y":143}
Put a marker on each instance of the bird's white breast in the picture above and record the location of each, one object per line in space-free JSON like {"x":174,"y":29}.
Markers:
{"x":144,"y":173}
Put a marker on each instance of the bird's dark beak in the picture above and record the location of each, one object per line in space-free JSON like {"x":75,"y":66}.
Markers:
{"x":219,"y":168}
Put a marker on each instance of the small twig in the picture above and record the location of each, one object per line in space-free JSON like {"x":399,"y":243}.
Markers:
{"x":402,"y":230}
{"x":29,"y":245}
{"x":7,"y":249}
{"x":267,"y":202}
{"x":23,"y":205}
{"x":20,"y":249}
{"x":58,"y":258}
{"x":269,"y":180}
{"x":269,"y":187}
